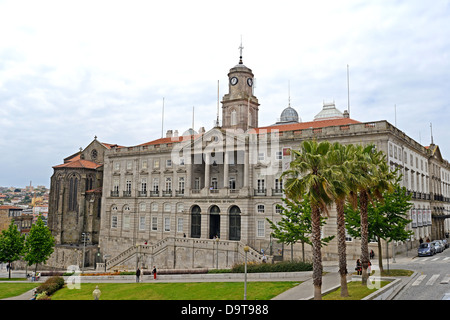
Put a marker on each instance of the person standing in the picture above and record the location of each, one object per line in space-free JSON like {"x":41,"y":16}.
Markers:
{"x":138,"y":274}
{"x":154,"y":272}
{"x":358,"y":267}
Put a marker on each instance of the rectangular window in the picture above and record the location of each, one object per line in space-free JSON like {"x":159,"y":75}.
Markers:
{"x":144,"y":184}
{"x":154,"y":223}
{"x":156,"y":164}
{"x":278,"y":184}
{"x":129,"y":165}
{"x":142,"y":223}
{"x":279,"y":155}
{"x":168,"y":184}
{"x":197,"y":183}
{"x":126,"y":221}
{"x":168,"y":163}
{"x":167,"y":224}
{"x":261,"y":183}
{"x":180,"y":225}
{"x":214,"y":183}
{"x":144,"y":164}
{"x":155,"y":184}
{"x":181,"y":184}
{"x":261,"y":229}
{"x":232,"y":183}
{"x":114,"y":222}
{"x":261,"y":156}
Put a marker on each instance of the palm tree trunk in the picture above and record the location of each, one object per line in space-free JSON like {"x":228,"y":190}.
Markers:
{"x":317,"y":254}
{"x":380,"y":255}
{"x":363,"y":198}
{"x":342,"y":250}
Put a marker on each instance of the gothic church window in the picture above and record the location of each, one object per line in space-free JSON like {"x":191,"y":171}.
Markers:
{"x":73,"y":191}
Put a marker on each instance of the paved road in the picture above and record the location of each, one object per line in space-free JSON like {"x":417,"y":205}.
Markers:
{"x":432,"y":281}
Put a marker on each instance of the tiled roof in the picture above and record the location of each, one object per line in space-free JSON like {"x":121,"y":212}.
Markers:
{"x":96,"y":190}
{"x":280,"y":128}
{"x":309,"y":125}
{"x":170,"y":140}
{"x":79,"y":163}
{"x":5,"y":207}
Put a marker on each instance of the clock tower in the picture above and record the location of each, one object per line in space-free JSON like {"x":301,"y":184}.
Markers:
{"x":239,"y":105}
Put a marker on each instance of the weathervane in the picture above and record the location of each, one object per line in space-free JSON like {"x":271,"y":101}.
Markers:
{"x":240,"y":49}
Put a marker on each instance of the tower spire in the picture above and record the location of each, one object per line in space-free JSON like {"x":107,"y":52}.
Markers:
{"x":240,"y":49}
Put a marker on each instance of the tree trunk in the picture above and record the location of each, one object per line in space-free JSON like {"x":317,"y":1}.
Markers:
{"x":317,"y":254}
{"x":342,"y":250}
{"x":380,"y":256}
{"x":363,"y":200}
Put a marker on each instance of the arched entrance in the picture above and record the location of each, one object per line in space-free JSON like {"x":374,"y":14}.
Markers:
{"x":214,"y":222}
{"x":234,"y":223}
{"x":196,"y":222}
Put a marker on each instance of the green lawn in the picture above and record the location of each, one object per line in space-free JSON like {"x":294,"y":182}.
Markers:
{"x":356,"y":291}
{"x":177,"y":291}
{"x":8,"y":290}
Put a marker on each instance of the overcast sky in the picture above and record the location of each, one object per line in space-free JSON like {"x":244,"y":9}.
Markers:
{"x":72,"y":70}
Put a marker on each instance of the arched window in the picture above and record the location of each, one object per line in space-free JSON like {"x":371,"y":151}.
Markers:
{"x":234,"y":232}
{"x":196,"y":222}
{"x":214,"y":222}
{"x":73,"y":191}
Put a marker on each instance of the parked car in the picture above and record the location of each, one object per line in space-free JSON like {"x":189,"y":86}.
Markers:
{"x":441,"y":242}
{"x":445,"y":243}
{"x":438,"y":246}
{"x":426,"y":249}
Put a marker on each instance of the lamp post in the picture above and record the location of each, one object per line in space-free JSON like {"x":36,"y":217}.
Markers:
{"x":217,"y":253}
{"x":246,"y":248}
{"x":96,"y":293}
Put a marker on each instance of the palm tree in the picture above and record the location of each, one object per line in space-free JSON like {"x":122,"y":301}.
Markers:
{"x":308,"y":176}
{"x":341,"y":158}
{"x":372,"y":178}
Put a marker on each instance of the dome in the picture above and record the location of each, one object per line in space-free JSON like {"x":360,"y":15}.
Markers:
{"x":190,"y":132}
{"x":328,"y":112}
{"x":289,"y":115}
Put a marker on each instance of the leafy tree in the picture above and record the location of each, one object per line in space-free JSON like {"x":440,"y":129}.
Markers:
{"x":11,"y":245}
{"x":39,"y":244}
{"x":387,"y":219}
{"x":295,"y":224}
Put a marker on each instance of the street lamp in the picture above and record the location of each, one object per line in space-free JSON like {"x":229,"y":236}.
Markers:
{"x":217,"y":253}
{"x":246,"y":248}
{"x":96,"y":293}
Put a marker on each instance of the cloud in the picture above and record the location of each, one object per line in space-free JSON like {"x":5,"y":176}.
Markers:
{"x":72,"y":70}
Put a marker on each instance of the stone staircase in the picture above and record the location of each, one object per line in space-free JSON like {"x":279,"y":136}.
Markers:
{"x":183,"y":253}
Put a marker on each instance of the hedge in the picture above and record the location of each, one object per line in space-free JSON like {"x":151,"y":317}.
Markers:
{"x":284,"y":266}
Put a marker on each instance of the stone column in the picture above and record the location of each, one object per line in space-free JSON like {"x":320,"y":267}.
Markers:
{"x":225,"y":170}
{"x":207,"y":177}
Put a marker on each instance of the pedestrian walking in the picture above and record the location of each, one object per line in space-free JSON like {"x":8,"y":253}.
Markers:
{"x":138,"y":274}
{"x":154,"y":272}
{"x":372,"y":254}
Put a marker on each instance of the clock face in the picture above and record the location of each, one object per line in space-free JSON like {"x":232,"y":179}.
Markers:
{"x":233,"y":81}
{"x":250,"y":81}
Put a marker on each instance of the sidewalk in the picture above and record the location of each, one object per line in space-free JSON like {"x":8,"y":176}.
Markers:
{"x":331,"y":278}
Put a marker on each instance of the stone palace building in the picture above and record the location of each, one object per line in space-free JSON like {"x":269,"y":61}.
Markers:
{"x":196,"y":199}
